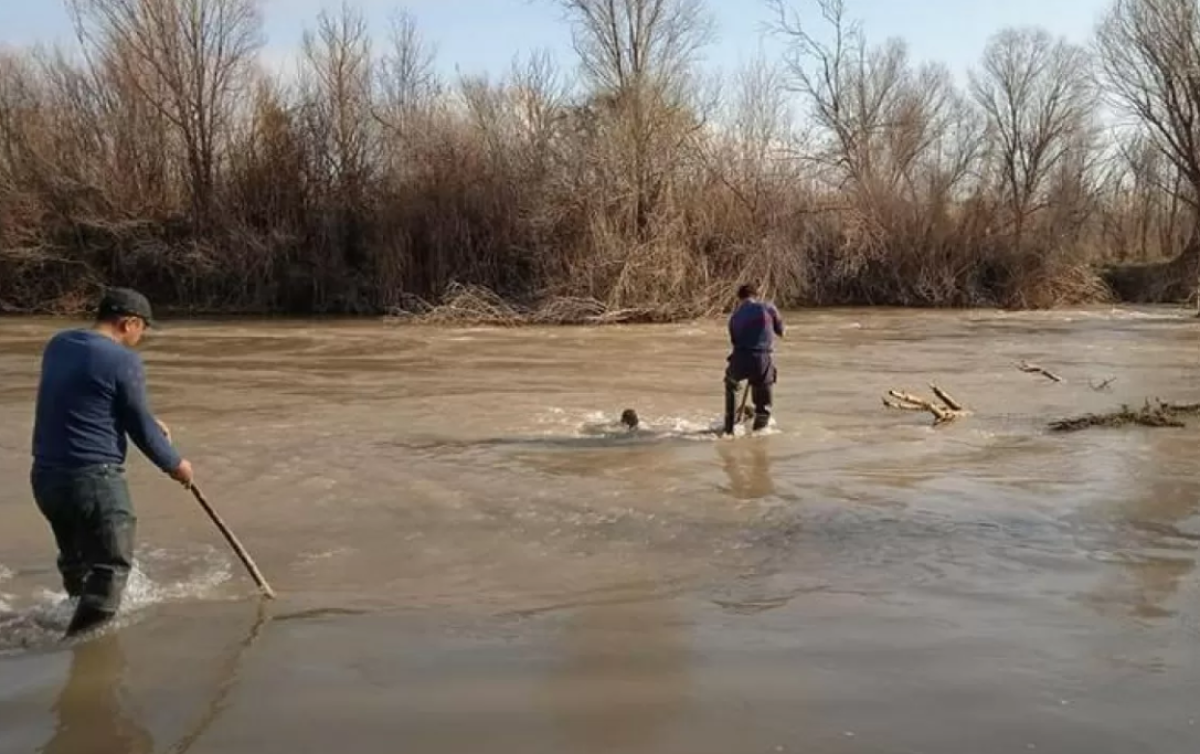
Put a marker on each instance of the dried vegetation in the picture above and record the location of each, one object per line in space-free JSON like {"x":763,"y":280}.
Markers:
{"x":162,"y":153}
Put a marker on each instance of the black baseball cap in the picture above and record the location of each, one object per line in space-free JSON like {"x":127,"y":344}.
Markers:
{"x":128,"y":302}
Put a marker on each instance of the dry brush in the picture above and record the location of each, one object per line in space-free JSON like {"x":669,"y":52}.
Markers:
{"x":165,"y":155}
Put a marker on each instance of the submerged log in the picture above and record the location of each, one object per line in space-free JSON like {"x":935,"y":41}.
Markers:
{"x":947,"y":400}
{"x":947,"y":410}
{"x":1162,"y":414}
{"x":1028,"y":368}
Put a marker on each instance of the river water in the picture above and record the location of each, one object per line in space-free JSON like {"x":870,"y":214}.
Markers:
{"x":469,"y":557}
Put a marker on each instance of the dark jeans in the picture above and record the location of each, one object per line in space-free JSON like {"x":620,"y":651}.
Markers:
{"x":91,"y":515}
{"x":758,"y":368}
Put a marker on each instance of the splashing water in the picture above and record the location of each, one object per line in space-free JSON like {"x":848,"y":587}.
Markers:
{"x":601,"y":424}
{"x":41,"y":620}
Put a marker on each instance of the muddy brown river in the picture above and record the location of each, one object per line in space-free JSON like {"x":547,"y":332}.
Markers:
{"x":470,"y":558}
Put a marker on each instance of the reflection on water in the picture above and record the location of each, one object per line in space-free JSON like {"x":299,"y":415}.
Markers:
{"x":90,"y":716}
{"x":622,"y":675}
{"x":95,"y":711}
{"x":747,"y":463}
{"x":1156,"y":536}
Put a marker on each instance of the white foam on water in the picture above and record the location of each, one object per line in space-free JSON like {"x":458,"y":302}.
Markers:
{"x":1119,"y":313}
{"x":39,"y":624}
{"x":312,"y":557}
{"x":598,"y":423}
{"x":213,"y":570}
{"x":6,"y":605}
{"x":1076,"y":315}
{"x":552,"y":415}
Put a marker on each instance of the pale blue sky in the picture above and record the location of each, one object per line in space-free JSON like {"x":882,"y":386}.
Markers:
{"x":484,"y":35}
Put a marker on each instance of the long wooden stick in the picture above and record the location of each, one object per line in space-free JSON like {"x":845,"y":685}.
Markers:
{"x":233,"y":542}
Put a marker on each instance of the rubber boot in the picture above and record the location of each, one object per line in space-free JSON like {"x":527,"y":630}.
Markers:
{"x":761,"y":421}
{"x":730,"y":405}
{"x":87,"y":618}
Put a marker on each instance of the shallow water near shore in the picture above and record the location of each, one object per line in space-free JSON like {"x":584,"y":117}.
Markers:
{"x":471,"y":555}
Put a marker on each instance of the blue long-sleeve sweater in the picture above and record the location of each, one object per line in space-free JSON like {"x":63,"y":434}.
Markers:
{"x":753,"y":327}
{"x":91,"y":395}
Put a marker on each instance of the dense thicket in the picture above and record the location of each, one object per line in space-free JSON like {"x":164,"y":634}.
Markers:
{"x":160,"y":154}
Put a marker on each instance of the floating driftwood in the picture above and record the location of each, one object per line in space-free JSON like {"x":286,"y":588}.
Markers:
{"x":1103,"y":385}
{"x":1028,"y":368}
{"x":1161,"y":414}
{"x":947,"y":409}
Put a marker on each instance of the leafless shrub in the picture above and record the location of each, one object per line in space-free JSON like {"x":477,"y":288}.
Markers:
{"x":628,"y":191}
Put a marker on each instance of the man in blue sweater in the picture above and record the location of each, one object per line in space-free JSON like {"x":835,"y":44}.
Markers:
{"x":753,"y":327}
{"x":92,"y":393}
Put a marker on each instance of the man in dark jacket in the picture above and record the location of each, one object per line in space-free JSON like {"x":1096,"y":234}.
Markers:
{"x":753,"y":327}
{"x":92,"y":393}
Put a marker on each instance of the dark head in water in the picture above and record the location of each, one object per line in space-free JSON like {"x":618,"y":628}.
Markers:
{"x":629,"y":418}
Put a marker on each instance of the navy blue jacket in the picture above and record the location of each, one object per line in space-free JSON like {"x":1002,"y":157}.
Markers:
{"x":91,"y":395}
{"x":753,"y":327}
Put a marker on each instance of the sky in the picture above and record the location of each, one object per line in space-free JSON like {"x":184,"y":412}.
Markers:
{"x":483,"y":36}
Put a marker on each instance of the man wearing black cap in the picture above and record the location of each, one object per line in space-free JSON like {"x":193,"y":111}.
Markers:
{"x":91,"y":395}
{"x":753,"y":327}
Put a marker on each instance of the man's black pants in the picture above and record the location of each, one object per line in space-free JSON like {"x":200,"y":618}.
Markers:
{"x":758,"y":368}
{"x":91,"y":515}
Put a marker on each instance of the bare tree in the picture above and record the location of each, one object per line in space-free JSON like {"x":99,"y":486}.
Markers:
{"x":632,"y":43}
{"x":1145,"y":211}
{"x":370,"y":183}
{"x":16,"y":100}
{"x":817,"y":73}
{"x":408,"y":82}
{"x":1150,"y":64}
{"x":271,"y":162}
{"x":537,"y":96}
{"x":756,"y":154}
{"x":893,"y":143}
{"x":638,"y":56}
{"x":877,"y":117}
{"x":1037,"y":96}
{"x":337,"y":90}
{"x":128,"y":147}
{"x":189,"y":59}
{"x":931,"y":138}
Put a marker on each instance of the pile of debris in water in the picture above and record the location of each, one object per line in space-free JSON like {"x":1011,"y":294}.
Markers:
{"x":945,"y":408}
{"x":1161,"y":414}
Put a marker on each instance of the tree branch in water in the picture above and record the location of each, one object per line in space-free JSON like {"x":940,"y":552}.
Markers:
{"x":947,"y":409}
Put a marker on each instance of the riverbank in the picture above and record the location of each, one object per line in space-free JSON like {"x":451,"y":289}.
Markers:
{"x":477,"y":306}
